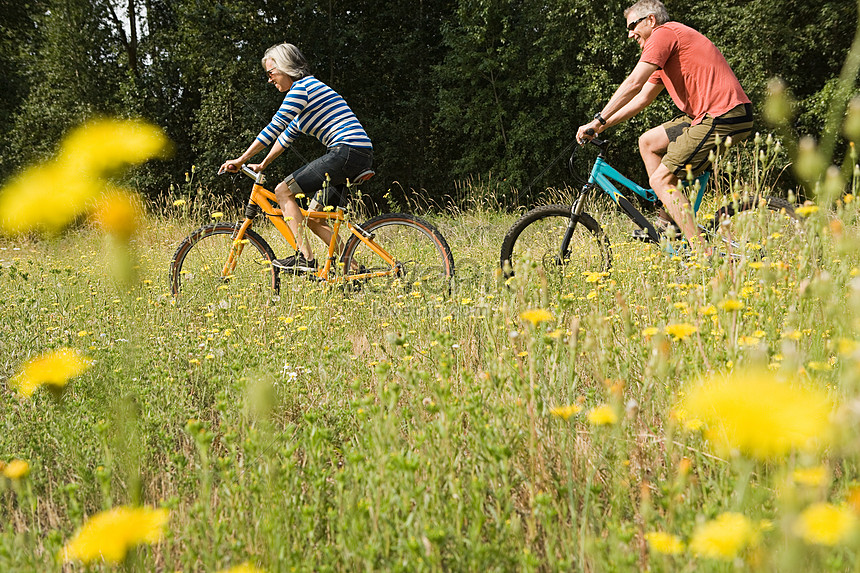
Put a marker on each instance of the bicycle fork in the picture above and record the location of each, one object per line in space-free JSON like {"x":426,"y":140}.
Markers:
{"x":239,"y":241}
{"x":576,"y":211}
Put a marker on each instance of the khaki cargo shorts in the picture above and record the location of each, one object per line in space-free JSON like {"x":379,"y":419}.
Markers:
{"x":691,"y":144}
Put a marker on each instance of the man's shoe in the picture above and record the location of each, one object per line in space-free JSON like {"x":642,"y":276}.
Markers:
{"x":296,"y":264}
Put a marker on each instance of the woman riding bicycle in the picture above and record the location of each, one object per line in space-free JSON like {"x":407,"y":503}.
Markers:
{"x":312,"y":108}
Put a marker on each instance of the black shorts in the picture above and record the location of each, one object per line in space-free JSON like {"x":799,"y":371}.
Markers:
{"x":326,"y":176}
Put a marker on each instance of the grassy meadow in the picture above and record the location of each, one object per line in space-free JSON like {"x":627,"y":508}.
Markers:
{"x":527,"y":424}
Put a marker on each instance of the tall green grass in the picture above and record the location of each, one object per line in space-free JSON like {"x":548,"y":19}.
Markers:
{"x":317,"y":431}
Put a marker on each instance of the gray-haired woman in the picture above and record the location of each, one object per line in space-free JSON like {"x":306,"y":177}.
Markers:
{"x":312,"y":108}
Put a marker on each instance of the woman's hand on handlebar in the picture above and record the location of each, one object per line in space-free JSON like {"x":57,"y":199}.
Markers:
{"x":255,"y":167}
{"x":230,"y":166}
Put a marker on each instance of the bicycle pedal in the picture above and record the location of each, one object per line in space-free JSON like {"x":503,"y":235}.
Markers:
{"x":640,"y":235}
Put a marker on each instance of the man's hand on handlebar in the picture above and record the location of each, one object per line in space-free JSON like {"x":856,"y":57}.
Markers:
{"x":587,"y":132}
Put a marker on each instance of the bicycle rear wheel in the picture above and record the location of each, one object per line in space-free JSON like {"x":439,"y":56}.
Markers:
{"x":423,"y":262}
{"x":758,"y":228}
{"x":544,"y":237}
{"x":196,"y":272}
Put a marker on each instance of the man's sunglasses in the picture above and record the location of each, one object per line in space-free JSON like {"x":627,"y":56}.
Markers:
{"x":632,"y":25}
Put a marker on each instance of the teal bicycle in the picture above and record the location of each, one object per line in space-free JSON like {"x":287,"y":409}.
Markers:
{"x":569,"y":243}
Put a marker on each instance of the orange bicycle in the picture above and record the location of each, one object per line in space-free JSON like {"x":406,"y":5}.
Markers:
{"x":394,"y":250}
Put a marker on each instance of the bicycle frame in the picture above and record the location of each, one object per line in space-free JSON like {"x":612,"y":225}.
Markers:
{"x":603,"y":175}
{"x":262,"y":199}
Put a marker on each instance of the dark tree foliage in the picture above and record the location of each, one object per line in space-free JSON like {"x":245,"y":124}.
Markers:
{"x":447,"y":89}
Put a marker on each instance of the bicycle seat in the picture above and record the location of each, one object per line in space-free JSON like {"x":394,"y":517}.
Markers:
{"x":363,"y":176}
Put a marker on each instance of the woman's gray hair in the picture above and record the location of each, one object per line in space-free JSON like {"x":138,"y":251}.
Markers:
{"x":288,"y":59}
{"x":646,"y":8}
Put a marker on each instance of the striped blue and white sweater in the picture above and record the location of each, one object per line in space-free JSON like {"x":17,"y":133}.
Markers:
{"x":313,"y":108}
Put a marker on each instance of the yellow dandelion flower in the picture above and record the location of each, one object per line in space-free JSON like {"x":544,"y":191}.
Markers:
{"x":76,"y":176}
{"x":104,"y":145}
{"x":812,"y":477}
{"x":110,"y":534}
{"x":603,"y":415}
{"x":53,"y":369}
{"x":119,"y":214}
{"x":690,"y":424}
{"x":243,"y":568}
{"x":16,"y":470}
{"x":846,"y":346}
{"x":179,"y":203}
{"x":22,"y":210}
{"x":724,"y":537}
{"x":680,"y":331}
{"x":565,"y":412}
{"x":731,"y":304}
{"x":825,"y":524}
{"x":806,"y":210}
{"x":756,"y":414}
{"x":217,"y":215}
{"x":748,"y":340}
{"x":650,"y":331}
{"x":662,"y":542}
{"x":709,"y":310}
{"x":536,"y":315}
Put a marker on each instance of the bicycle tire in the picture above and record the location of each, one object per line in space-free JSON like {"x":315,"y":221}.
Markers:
{"x":423,"y":259}
{"x":758,"y":228}
{"x":538,"y":235}
{"x":195,"y":270}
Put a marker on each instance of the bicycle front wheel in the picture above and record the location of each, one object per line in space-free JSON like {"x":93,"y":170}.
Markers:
{"x":758,"y":228}
{"x":200,"y":273}
{"x":422,"y":259}
{"x":545,"y":237}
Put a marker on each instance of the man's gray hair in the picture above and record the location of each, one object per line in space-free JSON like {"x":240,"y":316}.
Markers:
{"x":288,"y":59}
{"x":646,"y":8}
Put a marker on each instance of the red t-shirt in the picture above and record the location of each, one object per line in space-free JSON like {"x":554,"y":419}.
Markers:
{"x":693,"y":70}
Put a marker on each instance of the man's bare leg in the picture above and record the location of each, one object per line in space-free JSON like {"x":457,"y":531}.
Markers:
{"x":665,"y":186}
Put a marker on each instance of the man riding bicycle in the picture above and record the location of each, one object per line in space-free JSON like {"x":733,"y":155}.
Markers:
{"x":701,"y":84}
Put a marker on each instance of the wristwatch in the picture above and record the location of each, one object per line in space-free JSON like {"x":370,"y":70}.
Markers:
{"x":599,"y":118}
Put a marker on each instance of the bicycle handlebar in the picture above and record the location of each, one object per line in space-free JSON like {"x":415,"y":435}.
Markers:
{"x":259,"y":178}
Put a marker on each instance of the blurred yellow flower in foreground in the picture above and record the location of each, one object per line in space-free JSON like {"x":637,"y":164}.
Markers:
{"x":44,"y":197}
{"x":756,"y":414}
{"x":536,"y":315}
{"x":680,"y":331}
{"x":603,"y":415}
{"x":812,"y":477}
{"x":565,"y":412}
{"x":243,"y":568}
{"x":826,"y":524}
{"x":50,"y":196}
{"x":16,"y":469}
{"x":662,"y":542}
{"x":724,"y":537}
{"x":118,"y":213}
{"x":110,"y":534}
{"x":104,"y":145}
{"x":53,"y":369}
